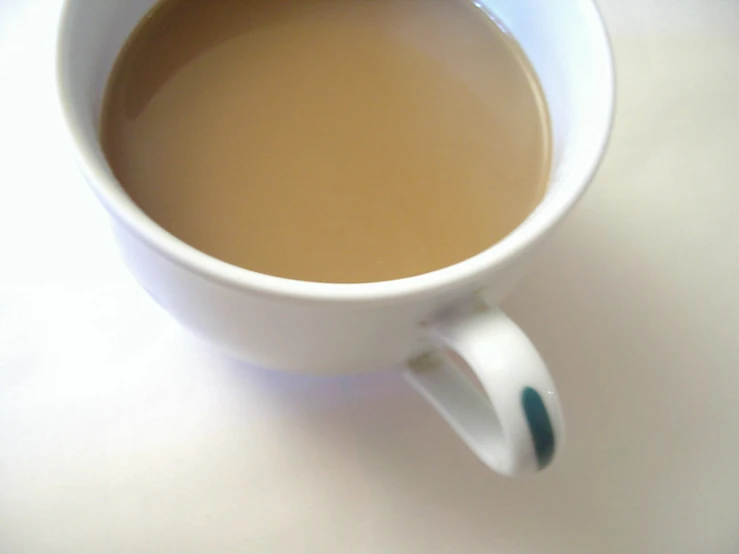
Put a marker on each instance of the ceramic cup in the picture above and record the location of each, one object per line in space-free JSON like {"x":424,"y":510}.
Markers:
{"x":435,"y":327}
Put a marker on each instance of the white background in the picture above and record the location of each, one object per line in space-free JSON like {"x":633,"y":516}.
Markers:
{"x":119,"y":432}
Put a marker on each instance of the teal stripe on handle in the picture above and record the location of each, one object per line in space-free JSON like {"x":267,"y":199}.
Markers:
{"x":540,"y":426}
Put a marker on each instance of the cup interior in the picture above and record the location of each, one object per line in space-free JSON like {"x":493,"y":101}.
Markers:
{"x":565,"y":41}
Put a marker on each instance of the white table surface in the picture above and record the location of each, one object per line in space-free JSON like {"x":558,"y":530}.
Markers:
{"x":121,"y":433}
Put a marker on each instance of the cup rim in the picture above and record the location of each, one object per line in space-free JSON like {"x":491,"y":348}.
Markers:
{"x":500,"y":254}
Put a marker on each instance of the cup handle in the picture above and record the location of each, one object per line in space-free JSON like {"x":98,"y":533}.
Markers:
{"x":516,"y":425}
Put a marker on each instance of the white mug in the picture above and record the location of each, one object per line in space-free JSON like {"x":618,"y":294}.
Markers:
{"x":435,"y":326}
